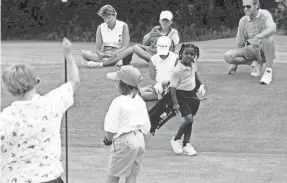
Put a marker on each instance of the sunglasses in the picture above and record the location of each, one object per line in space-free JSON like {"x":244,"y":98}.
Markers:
{"x":246,"y":6}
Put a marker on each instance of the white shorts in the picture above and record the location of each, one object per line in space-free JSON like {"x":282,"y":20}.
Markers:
{"x":126,"y":154}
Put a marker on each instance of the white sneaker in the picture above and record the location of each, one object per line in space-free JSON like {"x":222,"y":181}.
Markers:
{"x":176,"y":146}
{"x":256,"y":69}
{"x":189,"y":150}
{"x":94,"y":64}
{"x":119,"y":63}
{"x":266,"y":78}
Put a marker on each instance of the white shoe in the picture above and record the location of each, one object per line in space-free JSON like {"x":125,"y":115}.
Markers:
{"x":267,"y":77}
{"x":176,"y":146}
{"x":95,"y":64}
{"x":119,"y":63}
{"x":256,"y":69}
{"x":189,"y":150}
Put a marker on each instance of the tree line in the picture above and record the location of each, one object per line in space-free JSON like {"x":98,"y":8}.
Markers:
{"x":49,"y":19}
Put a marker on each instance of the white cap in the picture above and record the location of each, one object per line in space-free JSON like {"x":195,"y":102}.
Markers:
{"x":166,"y":15}
{"x":163,"y":45}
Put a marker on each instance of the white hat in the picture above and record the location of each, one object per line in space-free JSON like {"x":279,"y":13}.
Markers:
{"x":166,"y":15}
{"x":163,"y":45}
{"x":127,"y":74}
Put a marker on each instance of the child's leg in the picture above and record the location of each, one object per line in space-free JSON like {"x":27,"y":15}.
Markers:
{"x":187,"y":147}
{"x":132,"y":178}
{"x":112,"y":179}
{"x":142,"y":53}
{"x":148,"y":93}
{"x":188,"y":130}
{"x":183,"y":127}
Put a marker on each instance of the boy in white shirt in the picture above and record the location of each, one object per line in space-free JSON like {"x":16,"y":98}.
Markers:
{"x":30,"y":126}
{"x":126,"y":122}
{"x":160,"y":69}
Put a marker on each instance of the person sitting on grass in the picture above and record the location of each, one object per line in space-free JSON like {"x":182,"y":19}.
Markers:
{"x":112,"y":37}
{"x":160,"y":68}
{"x":30,"y":126}
{"x":126,"y":123}
{"x":148,"y":49}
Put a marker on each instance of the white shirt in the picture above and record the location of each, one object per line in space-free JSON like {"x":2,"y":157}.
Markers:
{"x":127,"y":114}
{"x":30,"y":137}
{"x":164,"y":67}
{"x":112,"y":37}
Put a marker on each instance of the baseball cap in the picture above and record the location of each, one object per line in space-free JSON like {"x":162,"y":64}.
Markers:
{"x":127,"y":74}
{"x":166,"y":15}
{"x":163,"y":45}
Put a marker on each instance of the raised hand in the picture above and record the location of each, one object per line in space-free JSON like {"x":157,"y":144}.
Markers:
{"x":67,"y":47}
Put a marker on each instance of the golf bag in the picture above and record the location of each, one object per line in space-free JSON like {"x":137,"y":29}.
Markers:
{"x":161,"y":112}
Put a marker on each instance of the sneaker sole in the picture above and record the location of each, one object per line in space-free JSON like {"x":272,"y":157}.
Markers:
{"x":264,"y":83}
{"x":185,"y":153}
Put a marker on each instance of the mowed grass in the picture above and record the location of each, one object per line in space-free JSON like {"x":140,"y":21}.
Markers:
{"x":239,"y":131}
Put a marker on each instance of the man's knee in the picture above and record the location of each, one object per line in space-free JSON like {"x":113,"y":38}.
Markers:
{"x":229,"y":56}
{"x":268,"y":41}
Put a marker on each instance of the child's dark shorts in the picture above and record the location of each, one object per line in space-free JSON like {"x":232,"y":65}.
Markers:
{"x":188,"y":102}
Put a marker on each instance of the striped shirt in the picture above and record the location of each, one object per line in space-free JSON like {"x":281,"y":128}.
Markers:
{"x":248,"y":28}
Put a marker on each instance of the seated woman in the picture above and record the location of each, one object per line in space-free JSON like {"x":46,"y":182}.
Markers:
{"x":112,"y":38}
{"x":160,"y":69}
{"x":148,"y":49}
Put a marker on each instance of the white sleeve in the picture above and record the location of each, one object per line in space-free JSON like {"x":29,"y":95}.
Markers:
{"x":112,"y":117}
{"x":62,"y":97}
{"x":146,"y":125}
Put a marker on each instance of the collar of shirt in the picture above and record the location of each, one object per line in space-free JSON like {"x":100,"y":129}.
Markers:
{"x":184,"y":67}
{"x":109,"y":29}
{"x":257,"y":16}
{"x":26,"y":101}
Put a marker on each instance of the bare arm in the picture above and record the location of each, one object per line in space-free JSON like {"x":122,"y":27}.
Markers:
{"x":110,"y":136}
{"x":197,"y":78}
{"x":152,"y":70}
{"x":73,"y":72}
{"x":173,"y":95}
{"x":146,"y":40}
{"x":99,"y":41}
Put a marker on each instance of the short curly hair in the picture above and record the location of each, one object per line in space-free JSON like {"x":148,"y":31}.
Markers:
{"x":183,"y":46}
{"x":107,"y":10}
{"x":19,"y":79}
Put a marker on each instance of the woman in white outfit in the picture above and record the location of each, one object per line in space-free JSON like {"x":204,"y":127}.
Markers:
{"x":112,"y":37}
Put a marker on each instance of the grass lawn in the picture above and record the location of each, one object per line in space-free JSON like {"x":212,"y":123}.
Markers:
{"x":239,"y":131}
